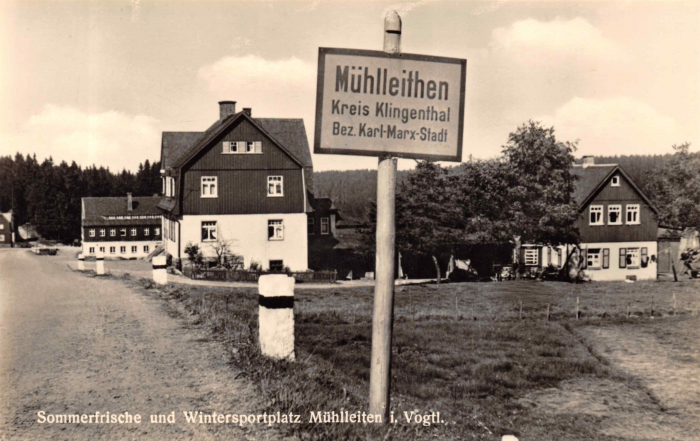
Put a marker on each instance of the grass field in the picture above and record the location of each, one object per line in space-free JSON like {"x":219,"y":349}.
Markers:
{"x":464,"y":350}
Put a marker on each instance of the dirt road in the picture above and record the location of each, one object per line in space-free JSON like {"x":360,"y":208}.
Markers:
{"x":70,"y":344}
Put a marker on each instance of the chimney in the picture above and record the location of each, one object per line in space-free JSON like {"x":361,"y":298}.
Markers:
{"x":248,"y":111}
{"x":129,"y":202}
{"x":226,"y":108}
{"x":588,"y":160}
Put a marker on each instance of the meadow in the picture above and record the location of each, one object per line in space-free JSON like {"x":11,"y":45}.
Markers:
{"x":475,"y":352}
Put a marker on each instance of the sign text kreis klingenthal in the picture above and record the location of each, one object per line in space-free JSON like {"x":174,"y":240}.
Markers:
{"x":372,"y":103}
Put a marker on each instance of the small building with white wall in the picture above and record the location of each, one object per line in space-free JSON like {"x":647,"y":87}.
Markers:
{"x":618,"y":228}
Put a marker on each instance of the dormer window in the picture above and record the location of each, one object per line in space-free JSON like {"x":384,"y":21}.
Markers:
{"x":615,"y":182}
{"x":596,"y":215}
{"x":235,"y":147}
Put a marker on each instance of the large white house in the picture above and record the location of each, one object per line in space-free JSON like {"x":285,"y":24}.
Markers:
{"x":244,"y":182}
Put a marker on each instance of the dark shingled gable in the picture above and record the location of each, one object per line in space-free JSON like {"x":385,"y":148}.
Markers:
{"x":288,"y":132}
{"x":589,"y":178}
{"x":97,"y":208}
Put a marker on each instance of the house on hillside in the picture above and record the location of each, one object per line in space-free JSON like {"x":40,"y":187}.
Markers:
{"x":121,"y":227}
{"x":618,"y":227}
{"x":7,"y":235}
{"x":244,"y":182}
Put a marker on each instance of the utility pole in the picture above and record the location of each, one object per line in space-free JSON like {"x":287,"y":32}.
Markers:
{"x":383,"y":318}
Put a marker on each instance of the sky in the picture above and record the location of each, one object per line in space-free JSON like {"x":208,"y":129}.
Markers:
{"x":97,"y":82}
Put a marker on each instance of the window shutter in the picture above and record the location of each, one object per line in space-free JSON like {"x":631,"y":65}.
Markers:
{"x":584,"y":256}
{"x":258,"y":146}
{"x":645,"y":257}
{"x":606,"y":258}
{"x":623,"y":257}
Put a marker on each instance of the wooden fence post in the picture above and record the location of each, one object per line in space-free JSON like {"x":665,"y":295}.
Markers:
{"x":578,"y":311}
{"x":547,"y":311}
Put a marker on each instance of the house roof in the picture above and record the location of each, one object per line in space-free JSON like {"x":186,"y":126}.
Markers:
{"x":591,"y":179}
{"x":289,"y":134}
{"x":7,"y":216}
{"x":324,"y":205}
{"x":96,"y":210}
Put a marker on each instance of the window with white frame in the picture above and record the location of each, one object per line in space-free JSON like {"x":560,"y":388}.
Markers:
{"x":275,"y":229}
{"x":275,"y":187}
{"x":123,"y":232}
{"x":133,"y":232}
{"x":310,"y":226}
{"x":102,"y":249}
{"x":2,"y":238}
{"x":210,"y":188}
{"x":593,"y":258}
{"x":145,"y":248}
{"x":112,"y":250}
{"x":209,"y":231}
{"x":146,"y":231}
{"x":165,"y":186}
{"x":2,"y":226}
{"x":122,"y":250}
{"x":596,"y":215}
{"x":112,"y":232}
{"x":632,"y":214}
{"x":615,"y":182}
{"x":325,"y":225}
{"x":172,"y":187}
{"x":253,"y":147}
{"x":156,"y":231}
{"x":102,"y":232}
{"x":632,"y":259}
{"x":230,"y":147}
{"x":92,"y":232}
{"x":91,"y":250}
{"x":134,"y":249}
{"x":614,"y":214}
{"x":532,"y":257}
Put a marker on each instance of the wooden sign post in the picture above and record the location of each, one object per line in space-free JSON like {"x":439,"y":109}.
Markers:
{"x":383,"y":316}
{"x":390,"y":105}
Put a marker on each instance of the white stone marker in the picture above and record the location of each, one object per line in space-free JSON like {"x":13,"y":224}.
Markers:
{"x":81,"y":262}
{"x":160,"y":272}
{"x":100,"y":267}
{"x":276,"y":315}
{"x":509,"y":438}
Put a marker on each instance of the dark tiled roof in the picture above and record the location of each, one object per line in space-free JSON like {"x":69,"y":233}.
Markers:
{"x":290,"y":133}
{"x":97,"y":208}
{"x":589,"y":178}
{"x":175,"y":144}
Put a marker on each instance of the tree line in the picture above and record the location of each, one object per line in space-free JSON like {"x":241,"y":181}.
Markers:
{"x":47,"y":195}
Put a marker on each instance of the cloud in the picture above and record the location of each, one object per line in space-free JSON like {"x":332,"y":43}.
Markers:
{"x":613,"y":126}
{"x":404,"y":8}
{"x":273,"y":88}
{"x":110,"y":139}
{"x":572,"y":38}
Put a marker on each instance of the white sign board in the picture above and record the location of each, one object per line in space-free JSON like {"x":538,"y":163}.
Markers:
{"x":371,"y":103}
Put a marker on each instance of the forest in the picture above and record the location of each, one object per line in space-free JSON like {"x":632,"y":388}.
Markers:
{"x":48,"y":196}
{"x":353,"y":191}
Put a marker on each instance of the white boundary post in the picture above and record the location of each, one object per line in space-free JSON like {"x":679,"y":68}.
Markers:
{"x":276,"y":316}
{"x":160,"y":272}
{"x":383,"y":317}
{"x":81,"y":262}
{"x":100,"y":260}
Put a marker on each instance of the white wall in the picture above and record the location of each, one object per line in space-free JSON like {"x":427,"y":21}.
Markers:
{"x":169,"y":245}
{"x":248,"y":234}
{"x":152,"y":244}
{"x":617,"y":273}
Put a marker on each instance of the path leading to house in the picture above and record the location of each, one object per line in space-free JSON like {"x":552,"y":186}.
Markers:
{"x":70,"y":344}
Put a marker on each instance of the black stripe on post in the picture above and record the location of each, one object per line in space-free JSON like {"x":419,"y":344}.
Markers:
{"x":278,"y":302}
{"x":160,"y":267}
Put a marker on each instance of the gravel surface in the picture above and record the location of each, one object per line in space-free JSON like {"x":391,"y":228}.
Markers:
{"x":73,"y":344}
